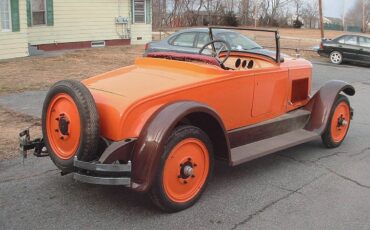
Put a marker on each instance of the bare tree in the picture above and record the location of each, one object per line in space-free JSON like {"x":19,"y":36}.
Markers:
{"x":244,"y":11}
{"x":213,"y":9}
{"x":310,"y":13}
{"x":298,"y":5}
{"x":191,"y":14}
{"x":270,"y":9}
{"x":356,"y":17}
{"x":159,"y":12}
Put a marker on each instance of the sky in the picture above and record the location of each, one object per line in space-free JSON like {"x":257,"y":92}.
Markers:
{"x":334,"y":8}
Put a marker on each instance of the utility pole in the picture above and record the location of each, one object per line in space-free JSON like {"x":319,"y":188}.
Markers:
{"x":321,"y":19}
{"x":363,"y":17}
{"x":344,"y":15}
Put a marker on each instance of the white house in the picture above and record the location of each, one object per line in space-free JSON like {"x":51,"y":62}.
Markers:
{"x":67,"y":24}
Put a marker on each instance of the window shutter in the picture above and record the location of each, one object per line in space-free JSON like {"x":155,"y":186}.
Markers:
{"x":148,"y":5}
{"x":14,"y":8}
{"x":50,"y":12}
{"x":29,"y":17}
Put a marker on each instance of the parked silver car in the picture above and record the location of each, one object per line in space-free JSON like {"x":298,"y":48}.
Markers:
{"x":193,"y":39}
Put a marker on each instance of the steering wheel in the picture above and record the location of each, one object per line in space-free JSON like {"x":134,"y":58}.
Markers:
{"x":225,"y":46}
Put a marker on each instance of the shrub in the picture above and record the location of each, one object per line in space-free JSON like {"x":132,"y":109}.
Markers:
{"x":230,"y":19}
{"x":297,"y":24}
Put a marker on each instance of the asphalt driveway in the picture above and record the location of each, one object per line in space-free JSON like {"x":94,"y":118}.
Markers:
{"x":305,"y":187}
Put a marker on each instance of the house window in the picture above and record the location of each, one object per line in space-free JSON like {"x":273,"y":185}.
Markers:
{"x":139,"y":11}
{"x":38,"y":12}
{"x":5,"y":15}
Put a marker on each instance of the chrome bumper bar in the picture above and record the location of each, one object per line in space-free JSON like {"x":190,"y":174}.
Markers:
{"x":103,"y":174}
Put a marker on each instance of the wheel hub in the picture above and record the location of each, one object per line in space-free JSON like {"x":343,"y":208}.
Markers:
{"x":63,"y":125}
{"x":342,"y":122}
{"x":186,"y":170}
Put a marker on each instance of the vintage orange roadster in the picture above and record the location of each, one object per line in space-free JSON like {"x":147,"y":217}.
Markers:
{"x":158,"y":125}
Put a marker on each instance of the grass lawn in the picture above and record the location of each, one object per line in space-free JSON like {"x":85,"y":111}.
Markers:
{"x":39,"y":72}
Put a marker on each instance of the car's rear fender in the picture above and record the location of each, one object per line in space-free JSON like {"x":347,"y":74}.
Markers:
{"x":151,"y":142}
{"x":322,"y":102}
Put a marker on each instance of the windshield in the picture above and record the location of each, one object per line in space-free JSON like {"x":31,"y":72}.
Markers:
{"x":237,"y":41}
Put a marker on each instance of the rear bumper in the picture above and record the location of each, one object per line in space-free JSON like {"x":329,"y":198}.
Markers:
{"x":323,"y":53}
{"x":103,"y":174}
{"x":106,"y":170}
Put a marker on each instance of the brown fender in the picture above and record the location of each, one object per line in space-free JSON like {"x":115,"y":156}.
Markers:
{"x":151,"y":142}
{"x":322,"y":102}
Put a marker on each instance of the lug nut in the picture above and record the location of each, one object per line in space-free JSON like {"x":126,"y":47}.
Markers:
{"x":185,"y":182}
{"x":62,"y":138}
{"x":179,"y":176}
{"x":195,"y":165}
{"x":56,"y":130}
{"x":189,"y":159}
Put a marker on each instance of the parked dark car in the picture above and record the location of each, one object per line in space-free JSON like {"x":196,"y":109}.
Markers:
{"x":193,"y":39}
{"x":355,"y":48}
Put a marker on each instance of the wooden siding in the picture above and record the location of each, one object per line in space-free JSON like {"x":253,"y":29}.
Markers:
{"x":14,"y":44}
{"x":143,"y":31}
{"x":87,"y":20}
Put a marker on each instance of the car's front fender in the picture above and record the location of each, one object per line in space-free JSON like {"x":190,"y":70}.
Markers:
{"x":322,"y":102}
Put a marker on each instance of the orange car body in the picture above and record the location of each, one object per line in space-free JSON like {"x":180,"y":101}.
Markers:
{"x":140,"y":105}
{"x":156,"y":126}
{"x":127,"y":97}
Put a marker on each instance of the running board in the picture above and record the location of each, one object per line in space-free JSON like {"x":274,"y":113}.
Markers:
{"x":264,"y":147}
{"x":294,"y":120}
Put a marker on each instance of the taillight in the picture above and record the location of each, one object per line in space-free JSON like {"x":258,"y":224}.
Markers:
{"x":146,"y":46}
{"x":321,"y":46}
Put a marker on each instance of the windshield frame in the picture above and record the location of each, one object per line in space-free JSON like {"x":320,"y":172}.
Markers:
{"x":276,"y":32}
{"x":228,"y":34}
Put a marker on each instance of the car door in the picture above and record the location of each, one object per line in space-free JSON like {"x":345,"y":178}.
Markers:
{"x":364,"y":53}
{"x":184,"y":43}
{"x":270,"y":92}
{"x":349,"y":47}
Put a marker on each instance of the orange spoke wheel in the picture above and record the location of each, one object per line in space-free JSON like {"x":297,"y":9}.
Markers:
{"x":338,"y":123}
{"x":185,"y":169}
{"x":70,"y":124}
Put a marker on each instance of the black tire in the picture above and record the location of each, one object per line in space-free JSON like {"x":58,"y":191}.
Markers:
{"x":89,"y":123}
{"x":326,"y":137}
{"x":157,"y":192}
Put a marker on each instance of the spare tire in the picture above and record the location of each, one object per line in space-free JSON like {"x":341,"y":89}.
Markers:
{"x":70,"y":124}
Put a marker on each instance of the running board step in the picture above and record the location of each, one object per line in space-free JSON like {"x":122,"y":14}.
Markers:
{"x":264,"y":147}
{"x":285,"y":123}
